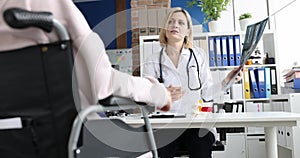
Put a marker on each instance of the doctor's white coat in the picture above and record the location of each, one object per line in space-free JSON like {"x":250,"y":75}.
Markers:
{"x":179,"y":76}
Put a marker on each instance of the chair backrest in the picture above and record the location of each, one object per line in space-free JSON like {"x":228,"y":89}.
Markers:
{"x":36,"y":85}
{"x":113,"y":138}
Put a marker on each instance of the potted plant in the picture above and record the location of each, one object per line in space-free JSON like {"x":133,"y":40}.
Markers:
{"x":212,"y":9}
{"x":245,"y":20}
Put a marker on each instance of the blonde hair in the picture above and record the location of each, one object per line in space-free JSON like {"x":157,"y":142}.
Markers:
{"x":188,"y":43}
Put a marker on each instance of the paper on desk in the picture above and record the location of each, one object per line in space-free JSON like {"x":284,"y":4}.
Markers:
{"x":11,"y":123}
{"x":167,"y":114}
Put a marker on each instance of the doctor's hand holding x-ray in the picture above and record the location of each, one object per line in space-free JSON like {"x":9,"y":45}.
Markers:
{"x":185,"y":71}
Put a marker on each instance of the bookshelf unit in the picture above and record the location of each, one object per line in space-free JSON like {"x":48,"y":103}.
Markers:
{"x":254,"y":136}
{"x":266,"y":44}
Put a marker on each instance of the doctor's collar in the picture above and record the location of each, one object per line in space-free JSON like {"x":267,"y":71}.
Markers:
{"x":185,"y":51}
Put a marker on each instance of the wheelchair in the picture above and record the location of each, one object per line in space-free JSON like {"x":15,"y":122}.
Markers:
{"x":39,"y":87}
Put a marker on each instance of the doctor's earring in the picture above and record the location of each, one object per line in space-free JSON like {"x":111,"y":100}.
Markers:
{"x":185,"y":40}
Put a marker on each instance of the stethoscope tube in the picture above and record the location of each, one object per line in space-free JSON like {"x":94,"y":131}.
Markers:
{"x":161,"y":79}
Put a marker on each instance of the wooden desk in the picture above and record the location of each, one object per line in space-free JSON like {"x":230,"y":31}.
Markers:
{"x":268,"y":120}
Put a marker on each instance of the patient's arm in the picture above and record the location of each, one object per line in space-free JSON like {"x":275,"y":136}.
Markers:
{"x":98,"y":80}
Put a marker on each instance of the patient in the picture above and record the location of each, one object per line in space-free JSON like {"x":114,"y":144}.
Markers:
{"x":97,"y":79}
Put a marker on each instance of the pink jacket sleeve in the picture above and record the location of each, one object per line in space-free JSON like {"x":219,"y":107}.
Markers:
{"x":97,"y":79}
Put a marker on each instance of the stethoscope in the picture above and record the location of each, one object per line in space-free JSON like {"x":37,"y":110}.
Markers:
{"x":161,"y":79}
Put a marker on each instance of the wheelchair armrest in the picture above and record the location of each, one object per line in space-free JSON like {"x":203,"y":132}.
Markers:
{"x":118,"y":101}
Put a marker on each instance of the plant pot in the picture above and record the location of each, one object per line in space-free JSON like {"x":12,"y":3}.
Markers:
{"x":244,"y":23}
{"x":214,"y":26}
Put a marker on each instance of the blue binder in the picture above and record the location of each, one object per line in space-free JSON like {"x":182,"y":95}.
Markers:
{"x":296,"y":83}
{"x":253,"y":84}
{"x":218,"y":51}
{"x":237,"y":50}
{"x":230,"y":51}
{"x":260,"y":80}
{"x":211,"y":46}
{"x":224,"y":51}
{"x":268,"y":81}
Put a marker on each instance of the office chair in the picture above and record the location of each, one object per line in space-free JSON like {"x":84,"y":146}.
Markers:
{"x":218,"y":145}
{"x":37,"y":87}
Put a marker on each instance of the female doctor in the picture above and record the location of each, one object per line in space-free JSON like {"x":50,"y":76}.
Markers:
{"x":184,"y":70}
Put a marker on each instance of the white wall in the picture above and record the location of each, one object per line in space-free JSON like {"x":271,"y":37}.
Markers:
{"x":257,"y":8}
{"x":226,"y":20}
{"x":286,"y":24}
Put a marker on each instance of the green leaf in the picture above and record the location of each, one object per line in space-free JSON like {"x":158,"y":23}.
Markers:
{"x":211,"y":8}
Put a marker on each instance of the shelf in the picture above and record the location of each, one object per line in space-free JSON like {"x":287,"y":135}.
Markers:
{"x":264,"y":100}
{"x":205,"y":34}
{"x":223,"y":67}
{"x":247,"y":66}
{"x":264,"y":65}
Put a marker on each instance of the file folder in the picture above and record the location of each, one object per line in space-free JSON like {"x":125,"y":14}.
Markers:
{"x":230,"y":51}
{"x":212,"y":58}
{"x":268,"y":81}
{"x":237,"y":91}
{"x":143,"y":22}
{"x":240,"y":107}
{"x":253,"y":85}
{"x":161,"y":13}
{"x":218,"y":51}
{"x":152,"y":22}
{"x":246,"y":84}
{"x":224,"y":51}
{"x":260,"y":80}
{"x":196,"y":43}
{"x":273,"y":81}
{"x":234,"y":107}
{"x":237,"y":50}
{"x":296,"y":83}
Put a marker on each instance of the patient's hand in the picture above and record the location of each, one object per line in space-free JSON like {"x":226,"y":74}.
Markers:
{"x":176,"y":92}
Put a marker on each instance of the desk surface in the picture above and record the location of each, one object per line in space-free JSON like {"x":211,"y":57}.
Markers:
{"x":247,"y":119}
{"x":268,"y":120}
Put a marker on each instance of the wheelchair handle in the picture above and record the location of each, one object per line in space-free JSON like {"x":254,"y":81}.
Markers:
{"x":19,"y":18}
